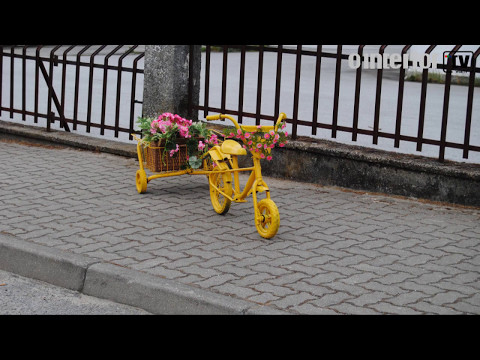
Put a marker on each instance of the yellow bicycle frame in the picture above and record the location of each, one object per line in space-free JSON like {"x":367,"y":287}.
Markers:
{"x":255,"y":182}
{"x":222,"y":160}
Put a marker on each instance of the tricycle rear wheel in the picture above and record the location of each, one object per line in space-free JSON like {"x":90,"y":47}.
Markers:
{"x":223,"y":181}
{"x":141,"y":181}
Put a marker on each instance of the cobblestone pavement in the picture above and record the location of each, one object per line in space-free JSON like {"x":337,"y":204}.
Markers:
{"x":337,"y":251}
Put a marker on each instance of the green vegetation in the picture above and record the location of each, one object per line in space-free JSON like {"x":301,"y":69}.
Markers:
{"x":438,"y":78}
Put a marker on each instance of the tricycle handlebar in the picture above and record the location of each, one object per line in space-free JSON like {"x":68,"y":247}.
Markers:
{"x":281,"y":117}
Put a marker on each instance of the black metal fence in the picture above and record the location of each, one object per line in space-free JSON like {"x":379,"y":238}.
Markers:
{"x":331,"y":124}
{"x":97,"y":87}
{"x":61,"y":72}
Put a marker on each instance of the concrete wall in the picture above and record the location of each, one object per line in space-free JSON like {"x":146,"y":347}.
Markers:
{"x":354,"y":167}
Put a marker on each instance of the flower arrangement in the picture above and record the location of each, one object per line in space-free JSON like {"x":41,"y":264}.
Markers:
{"x":259,"y":142}
{"x":171,"y":132}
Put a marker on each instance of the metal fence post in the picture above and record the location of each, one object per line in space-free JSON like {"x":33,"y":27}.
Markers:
{"x":171,"y":80}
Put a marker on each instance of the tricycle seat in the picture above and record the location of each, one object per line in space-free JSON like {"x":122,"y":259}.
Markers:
{"x":232,"y":147}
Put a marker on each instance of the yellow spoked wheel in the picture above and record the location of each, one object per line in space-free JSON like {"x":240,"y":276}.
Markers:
{"x":207,"y":164}
{"x":141,"y":181}
{"x":223,"y":181}
{"x":269,"y":218}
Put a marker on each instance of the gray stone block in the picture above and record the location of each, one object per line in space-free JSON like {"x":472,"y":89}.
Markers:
{"x":51,"y":265}
{"x":156,"y":295}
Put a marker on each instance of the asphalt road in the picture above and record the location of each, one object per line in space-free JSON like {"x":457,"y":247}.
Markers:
{"x":25,"y":296}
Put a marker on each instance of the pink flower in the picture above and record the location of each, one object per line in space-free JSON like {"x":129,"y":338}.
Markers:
{"x":201,"y":145}
{"x":271,"y":132}
{"x":269,"y":157}
{"x":262,"y":156}
{"x":247,"y":135}
{"x":266,"y":136}
{"x":184,"y":131}
{"x":265,"y":146}
{"x":286,"y":133}
{"x":259,"y":146}
{"x":281,"y":144}
{"x":213,"y":139}
{"x":250,"y":142}
{"x":172,"y":152}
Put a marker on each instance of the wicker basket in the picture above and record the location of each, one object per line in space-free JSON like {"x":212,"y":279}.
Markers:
{"x":160,"y":161}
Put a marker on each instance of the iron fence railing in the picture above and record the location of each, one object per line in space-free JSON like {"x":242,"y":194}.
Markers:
{"x":331,"y":124}
{"x":74,"y":78}
{"x":96,"y":88}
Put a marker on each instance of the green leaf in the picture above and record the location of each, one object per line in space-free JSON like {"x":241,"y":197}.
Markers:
{"x":195,"y":162}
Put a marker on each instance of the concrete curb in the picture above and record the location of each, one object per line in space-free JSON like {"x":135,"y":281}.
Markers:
{"x":112,"y":282}
{"x":69,"y":139}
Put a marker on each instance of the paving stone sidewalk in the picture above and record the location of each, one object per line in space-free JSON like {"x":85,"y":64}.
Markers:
{"x":337,"y":251}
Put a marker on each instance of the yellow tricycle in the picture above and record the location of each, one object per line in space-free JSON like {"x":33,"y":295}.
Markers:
{"x":219,"y":163}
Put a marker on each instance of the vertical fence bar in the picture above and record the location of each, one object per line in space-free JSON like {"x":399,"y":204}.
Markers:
{"x":77,"y":83}
{"x":133,"y":92}
{"x":378,"y":97}
{"x":338,"y":68}
{"x":37,"y":70}
{"x":446,"y":100}
{"x":316,"y":89}
{"x":278,"y":80}
{"x":224,"y":78}
{"x":241,"y":89}
{"x":423,"y":99}
{"x":12,"y":74}
{"x":24,"y":81}
{"x":468,"y":119}
{"x":90,"y":85}
{"x":207,"y":80}
{"x":356,"y":105}
{"x":190,"y":80}
{"x":104,"y":90}
{"x":401,"y":81}
{"x":119,"y":85}
{"x":259,"y":84}
{"x":296,"y":94}
{"x":50,"y":118}
{"x":64,"y":73}
{"x":50,"y":75}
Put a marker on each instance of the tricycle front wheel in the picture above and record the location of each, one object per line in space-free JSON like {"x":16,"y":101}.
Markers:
{"x":268,"y":220}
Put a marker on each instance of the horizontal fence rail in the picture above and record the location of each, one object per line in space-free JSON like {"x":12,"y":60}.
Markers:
{"x":233,"y":91}
{"x":88,"y":86}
